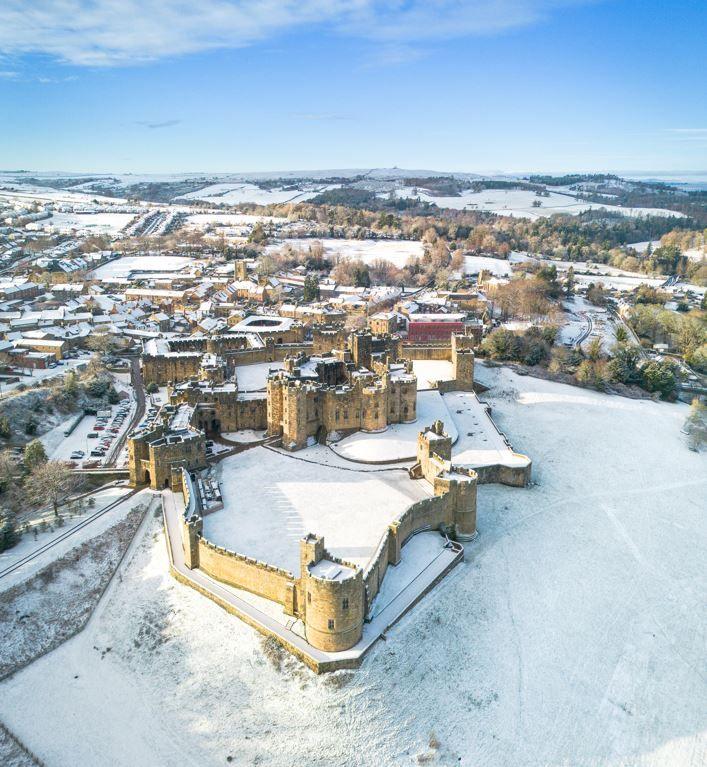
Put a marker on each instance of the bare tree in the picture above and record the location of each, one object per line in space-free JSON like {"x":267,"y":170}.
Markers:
{"x":52,"y":482}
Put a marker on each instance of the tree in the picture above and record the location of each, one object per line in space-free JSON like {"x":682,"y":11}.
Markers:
{"x":35,"y":455}
{"x":696,"y":425}
{"x":596,"y":294}
{"x":594,"y":351}
{"x":5,"y":430}
{"x":362,"y":279}
{"x":570,"y":282}
{"x":623,"y":366}
{"x":621,"y":334}
{"x":71,"y":384}
{"x":659,"y":377}
{"x":53,"y":482}
{"x":9,"y":535}
{"x":152,"y":388}
{"x":101,"y":341}
{"x":311,"y":288}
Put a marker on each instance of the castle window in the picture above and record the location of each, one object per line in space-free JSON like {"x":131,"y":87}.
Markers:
{"x":346,"y":414}
{"x":345,"y":604}
{"x":331,"y":624}
{"x":309,"y":597}
{"x":337,"y":415}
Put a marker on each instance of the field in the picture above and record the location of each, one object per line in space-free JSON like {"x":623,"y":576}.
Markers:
{"x":122,"y":267}
{"x":237,"y":193}
{"x":519,"y":203}
{"x":572,"y":635}
{"x":396,"y":251}
{"x":89,"y":223}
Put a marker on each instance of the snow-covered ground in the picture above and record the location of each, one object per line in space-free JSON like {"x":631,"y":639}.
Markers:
{"x":519,"y":203}
{"x":254,"y":377}
{"x":272,"y":500}
{"x":497,"y":266}
{"x":399,"y":441}
{"x":621,"y":283}
{"x":29,"y":543}
{"x":44,"y":374}
{"x":236,"y":193}
{"x":430,"y":371}
{"x":123,"y":267}
{"x":244,"y":435}
{"x":573,"y":635}
{"x":84,"y":223}
{"x":396,"y":251}
{"x":642,"y":247}
{"x":202,"y":220}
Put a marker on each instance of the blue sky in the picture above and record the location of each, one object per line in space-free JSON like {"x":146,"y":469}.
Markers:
{"x":165,"y":86}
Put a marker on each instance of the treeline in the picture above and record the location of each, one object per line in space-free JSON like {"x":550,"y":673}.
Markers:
{"x":573,"y":178}
{"x":591,"y":367}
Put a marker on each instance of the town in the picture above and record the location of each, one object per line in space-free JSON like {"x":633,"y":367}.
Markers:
{"x":294,"y":386}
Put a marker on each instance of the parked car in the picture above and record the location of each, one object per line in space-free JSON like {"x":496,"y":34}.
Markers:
{"x":92,"y":435}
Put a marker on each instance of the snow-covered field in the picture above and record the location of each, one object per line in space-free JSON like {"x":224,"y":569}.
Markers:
{"x":621,"y":283}
{"x":496,"y":266}
{"x":85,"y":223}
{"x":271,"y":500}
{"x":399,"y":441}
{"x":236,"y":193}
{"x":519,"y":203}
{"x":396,"y":251}
{"x":202,"y":220}
{"x":430,"y":371}
{"x":574,"y":633}
{"x":122,"y":267}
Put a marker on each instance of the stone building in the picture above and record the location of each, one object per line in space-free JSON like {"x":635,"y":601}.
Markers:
{"x":317,"y":396}
{"x":173,"y":443}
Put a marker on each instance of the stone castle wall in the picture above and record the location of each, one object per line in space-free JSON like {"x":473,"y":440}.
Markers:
{"x":246,"y":573}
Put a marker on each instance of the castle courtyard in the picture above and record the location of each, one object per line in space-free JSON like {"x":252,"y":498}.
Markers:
{"x":272,"y":499}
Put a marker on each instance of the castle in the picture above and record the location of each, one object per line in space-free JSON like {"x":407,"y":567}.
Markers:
{"x":331,"y":596}
{"x":364,"y":384}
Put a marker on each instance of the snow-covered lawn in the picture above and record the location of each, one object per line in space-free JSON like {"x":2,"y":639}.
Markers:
{"x":519,"y":203}
{"x":396,"y":251}
{"x":254,"y":377}
{"x":574,"y":633}
{"x":430,"y":371}
{"x":123,"y":267}
{"x":272,"y":500}
{"x":399,"y":441}
{"x":499,"y":267}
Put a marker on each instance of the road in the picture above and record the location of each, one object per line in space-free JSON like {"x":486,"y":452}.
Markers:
{"x":139,"y":389}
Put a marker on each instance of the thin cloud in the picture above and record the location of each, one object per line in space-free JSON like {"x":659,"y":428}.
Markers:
{"x":7,"y":75}
{"x":688,"y":134}
{"x":128,"y":32}
{"x":321,"y":116}
{"x":157,"y":125}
